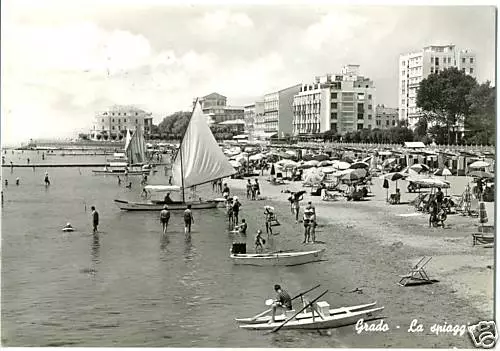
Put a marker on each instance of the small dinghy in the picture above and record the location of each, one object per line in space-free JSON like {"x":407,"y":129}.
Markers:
{"x":279,"y":258}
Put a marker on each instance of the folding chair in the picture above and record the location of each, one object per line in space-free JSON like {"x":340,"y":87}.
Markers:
{"x":417,"y":273}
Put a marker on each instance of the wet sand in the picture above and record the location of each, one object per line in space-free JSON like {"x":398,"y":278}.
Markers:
{"x":374,"y":245}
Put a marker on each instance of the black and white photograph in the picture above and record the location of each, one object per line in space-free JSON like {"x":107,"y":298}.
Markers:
{"x":302,"y":174}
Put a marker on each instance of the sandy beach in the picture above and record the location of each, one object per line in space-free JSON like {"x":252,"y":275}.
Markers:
{"x":378,"y":242}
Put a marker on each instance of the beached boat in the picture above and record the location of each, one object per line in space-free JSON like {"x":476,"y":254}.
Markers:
{"x":367,"y":309}
{"x":199,"y":160}
{"x":320,"y":318}
{"x":280,"y":258}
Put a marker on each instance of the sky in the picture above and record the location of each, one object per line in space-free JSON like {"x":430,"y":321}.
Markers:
{"x":64,"y":60}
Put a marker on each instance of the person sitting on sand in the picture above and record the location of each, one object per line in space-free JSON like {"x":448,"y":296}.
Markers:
{"x":167,"y":199}
{"x":242,"y":228}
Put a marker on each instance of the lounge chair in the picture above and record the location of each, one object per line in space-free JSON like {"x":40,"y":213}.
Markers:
{"x":417,"y":274}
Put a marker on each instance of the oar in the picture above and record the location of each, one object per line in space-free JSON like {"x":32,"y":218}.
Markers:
{"x":305,"y":292}
{"x":296,"y":314}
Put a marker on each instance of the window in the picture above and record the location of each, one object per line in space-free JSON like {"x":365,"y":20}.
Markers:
{"x":361,"y":107}
{"x":437,"y":61}
{"x":113,"y":127}
{"x":360,"y":116}
{"x":102,"y":120}
{"x":136,"y":121}
{"x":369,"y":116}
{"x":369,"y":107}
{"x":403,"y":101}
{"x":113,"y":120}
{"x":366,"y":86}
{"x":449,"y":59}
{"x":393,"y":122}
{"x":334,"y":95}
{"x":387,"y":122}
{"x":124,"y":113}
{"x":334,"y":105}
{"x":463,"y":59}
{"x":471,"y":60}
{"x":370,"y":97}
{"x":118,"y":120}
{"x":432,"y":70}
{"x":378,"y":122}
{"x":334,"y":115}
{"x":136,"y":114}
{"x":463,"y":70}
{"x":369,"y":126}
{"x":404,"y":63}
{"x":471,"y":70}
{"x":119,"y":113}
{"x":360,"y":126}
{"x":432,"y":59}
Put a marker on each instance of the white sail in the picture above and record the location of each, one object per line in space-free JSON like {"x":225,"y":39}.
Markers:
{"x":136,"y":148}
{"x":202,"y":158}
{"x":127,"y":139}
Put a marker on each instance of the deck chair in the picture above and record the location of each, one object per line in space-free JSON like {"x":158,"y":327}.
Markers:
{"x":417,"y":273}
{"x":482,"y":239}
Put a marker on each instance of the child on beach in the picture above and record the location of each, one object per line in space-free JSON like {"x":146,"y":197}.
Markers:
{"x":242,"y":229}
{"x":259,"y":242}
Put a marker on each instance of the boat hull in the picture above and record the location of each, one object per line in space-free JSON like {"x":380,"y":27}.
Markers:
{"x":282,"y":317}
{"x":120,"y":172}
{"x":278,"y":258}
{"x":152,"y":206}
{"x":328,"y":322}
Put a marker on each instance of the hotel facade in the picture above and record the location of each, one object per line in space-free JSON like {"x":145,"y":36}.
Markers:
{"x":416,"y":66}
{"x":112,"y":123}
{"x":342,"y":103}
{"x":278,"y":111}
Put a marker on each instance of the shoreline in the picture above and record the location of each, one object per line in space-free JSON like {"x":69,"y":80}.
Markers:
{"x":376,"y":246}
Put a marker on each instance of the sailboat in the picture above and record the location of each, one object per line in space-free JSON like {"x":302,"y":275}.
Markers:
{"x":134,"y":155}
{"x":199,"y":160}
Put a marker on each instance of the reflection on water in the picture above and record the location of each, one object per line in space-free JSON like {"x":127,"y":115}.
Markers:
{"x":95,"y":249}
{"x":188,"y":247}
{"x":163,"y":245}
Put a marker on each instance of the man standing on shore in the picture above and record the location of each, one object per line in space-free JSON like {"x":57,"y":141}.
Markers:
{"x":164,"y":218}
{"x":95,"y":219}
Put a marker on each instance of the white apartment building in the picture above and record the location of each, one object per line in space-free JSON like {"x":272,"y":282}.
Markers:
{"x":278,"y":111}
{"x":251,"y":113}
{"x":112,"y":123}
{"x":343,"y":102}
{"x":416,"y":66}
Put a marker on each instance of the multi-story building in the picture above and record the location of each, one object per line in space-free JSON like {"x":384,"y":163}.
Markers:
{"x":343,"y":103}
{"x":215,"y":107}
{"x":386,"y":117}
{"x":416,"y":66}
{"x":278,"y":111}
{"x":112,"y":123}
{"x":251,"y":113}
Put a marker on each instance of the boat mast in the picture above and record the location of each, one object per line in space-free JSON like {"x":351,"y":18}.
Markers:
{"x":180,"y":152}
{"x":182,"y":173}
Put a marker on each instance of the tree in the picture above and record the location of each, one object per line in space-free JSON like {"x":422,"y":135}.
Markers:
{"x":174,"y":125}
{"x":420,"y":132}
{"x":480,"y":123}
{"x":442,"y":97}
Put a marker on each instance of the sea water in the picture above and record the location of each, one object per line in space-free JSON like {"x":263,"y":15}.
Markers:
{"x":129,"y":286}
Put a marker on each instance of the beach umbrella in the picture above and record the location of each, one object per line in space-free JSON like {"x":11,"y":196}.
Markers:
{"x":481,"y":174}
{"x":327,"y":170}
{"x":312,"y":163}
{"x":320,"y":157}
{"x":256,"y":157}
{"x":419,"y":168}
{"x":325,"y":163}
{"x":442,"y":172}
{"x":359,"y":165}
{"x":287,"y":164}
{"x":235,"y":164}
{"x":341,"y":165}
{"x":315,"y":177}
{"x":431,"y":183}
{"x":354,"y":175}
{"x":367,"y":159}
{"x":479,"y":164}
{"x":395,"y":177}
{"x":291,"y":152}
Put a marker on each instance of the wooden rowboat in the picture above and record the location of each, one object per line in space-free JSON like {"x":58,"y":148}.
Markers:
{"x":158,"y":206}
{"x":334,"y":319}
{"x":281,"y":258}
{"x":304,"y":315}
